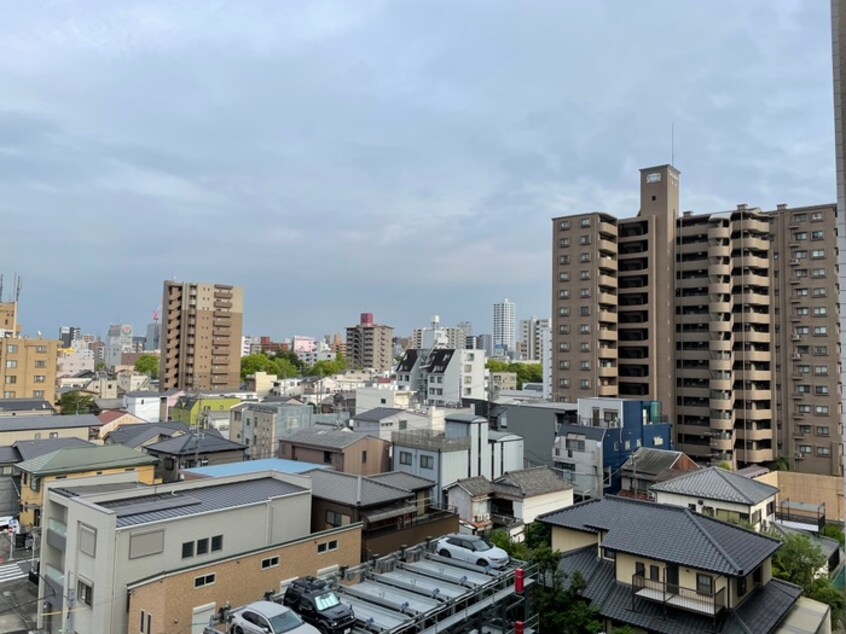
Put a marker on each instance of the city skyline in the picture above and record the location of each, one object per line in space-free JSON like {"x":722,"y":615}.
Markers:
{"x":344,"y":168}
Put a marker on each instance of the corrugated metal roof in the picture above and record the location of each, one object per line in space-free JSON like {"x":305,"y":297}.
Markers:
{"x":353,"y":490}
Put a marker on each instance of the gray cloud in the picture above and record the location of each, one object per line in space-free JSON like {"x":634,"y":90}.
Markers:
{"x":400,"y":157}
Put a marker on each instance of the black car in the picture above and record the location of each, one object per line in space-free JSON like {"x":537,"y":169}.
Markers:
{"x":318,"y":605}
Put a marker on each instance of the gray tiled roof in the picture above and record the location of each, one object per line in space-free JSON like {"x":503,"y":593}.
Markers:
{"x":331,"y":439}
{"x":185,"y":444}
{"x":667,"y":533}
{"x":715,"y":483}
{"x":26,"y":423}
{"x":403,"y":480}
{"x":130,"y":511}
{"x":9,"y":455}
{"x":475,"y":486}
{"x":350,"y":489}
{"x":378,"y":414}
{"x":134,"y":435}
{"x":25,"y":404}
{"x":651,"y":461}
{"x":590,"y":433}
{"x":760,"y":613}
{"x":534,"y":481}
{"x":28,"y":449}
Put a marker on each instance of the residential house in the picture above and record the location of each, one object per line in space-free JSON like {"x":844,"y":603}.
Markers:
{"x":151,"y":406}
{"x":536,"y":422}
{"x":345,"y":451}
{"x":189,"y":408}
{"x":11,"y":455}
{"x":383,"y":421}
{"x":382,"y":395}
{"x":69,"y":463}
{"x":165,"y":559}
{"x":138,"y":436}
{"x":112,"y":419}
{"x":467,"y":447}
{"x":665,"y":569}
{"x":718,"y":493}
{"x":250,"y":466}
{"x":391,"y":515}
{"x":513,"y":500}
{"x":261,"y":425}
{"x":83,"y":426}
{"x":194,"y":449}
{"x":25,"y":407}
{"x":648,"y":466}
{"x":591,"y":451}
{"x":442,"y":376}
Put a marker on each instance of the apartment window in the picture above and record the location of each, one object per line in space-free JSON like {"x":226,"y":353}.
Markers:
{"x":804,"y":429}
{"x":802,"y":311}
{"x":216,"y":543}
{"x":607,"y":553}
{"x":203,"y":546}
{"x":654,"y":573}
{"x":40,"y":378}
{"x":817,"y":235}
{"x":816,"y":216}
{"x":333,"y":518}
{"x":427,"y":462}
{"x":326,"y":547}
{"x":563,"y":259}
{"x":821,"y":390}
{"x":704,"y":584}
{"x":563,"y":311}
{"x":564,"y":242}
{"x":640,"y":569}
{"x":820,"y":291}
{"x":585,"y":222}
{"x":187,"y":549}
{"x":584,"y":275}
{"x":41,"y":349}
{"x":270,"y":562}
{"x":584,"y":293}
{"x":584,"y":365}
{"x":40,"y":363}
{"x":584,"y":329}
{"x":818,"y":253}
{"x":38,"y":394}
{"x":817,"y":273}
{"x":802,"y":330}
{"x":563,"y":382}
{"x":803,"y":369}
{"x":585,"y":347}
{"x":804,"y":408}
{"x":564,"y":293}
{"x":820,"y":331}
{"x":8,"y":394}
{"x":820,"y":311}
{"x":801,"y":292}
{"x":820,"y":349}
{"x":800,"y":235}
{"x":564,"y":346}
{"x":800,"y":255}
{"x":205,"y":580}
{"x":823,"y":451}
{"x":146,"y":625}
{"x":11,"y":364}
{"x":564,"y":225}
{"x":584,"y":311}
{"x":584,"y":240}
{"x":821,"y":370}
{"x":85,"y":592}
{"x":584,"y":257}
{"x":800,"y":273}
{"x":12,"y":348}
{"x":405,"y":457}
{"x":564,"y":277}
{"x":11,"y":379}
{"x":564,"y":365}
{"x":821,"y":410}
{"x":584,"y":384}
{"x":822,"y":430}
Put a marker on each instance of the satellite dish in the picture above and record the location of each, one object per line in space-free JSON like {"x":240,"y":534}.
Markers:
{"x":39,"y":334}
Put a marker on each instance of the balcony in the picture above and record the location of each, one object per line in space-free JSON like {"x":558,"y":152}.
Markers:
{"x":674,"y":595}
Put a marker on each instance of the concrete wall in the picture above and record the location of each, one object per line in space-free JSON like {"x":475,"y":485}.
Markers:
{"x":810,"y":489}
{"x":564,"y":540}
{"x":540,"y":504}
{"x":537,"y":426}
{"x":723,"y":510}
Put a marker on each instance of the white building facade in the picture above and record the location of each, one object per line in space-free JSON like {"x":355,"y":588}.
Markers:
{"x":504,"y":327}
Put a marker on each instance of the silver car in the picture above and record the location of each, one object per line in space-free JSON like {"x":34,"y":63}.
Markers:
{"x":473,"y":549}
{"x":266,"y":617}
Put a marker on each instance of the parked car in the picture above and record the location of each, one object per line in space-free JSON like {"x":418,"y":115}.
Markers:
{"x":267,"y":617}
{"x":318,"y":604}
{"x":472,"y":548}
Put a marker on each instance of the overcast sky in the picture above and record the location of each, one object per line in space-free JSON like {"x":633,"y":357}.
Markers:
{"x":398,"y":157}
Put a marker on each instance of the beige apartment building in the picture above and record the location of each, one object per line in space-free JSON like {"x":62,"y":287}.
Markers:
{"x":201,"y":336}
{"x":28,"y":368}
{"x":729,"y":319}
{"x":369,"y":345}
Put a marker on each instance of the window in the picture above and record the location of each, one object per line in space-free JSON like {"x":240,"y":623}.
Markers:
{"x":564,"y":365}
{"x":820,"y":311}
{"x":40,"y":363}
{"x":820,"y":291}
{"x":41,"y":349}
{"x":11,"y":364}
{"x":822,"y":430}
{"x":11,"y":379}
{"x":564,"y":347}
{"x":204,"y":580}
{"x":820,"y":331}
{"x":805,"y":449}
{"x":654,"y":573}
{"x":607,"y":553}
{"x":804,"y":429}
{"x":563,"y":382}
{"x":564,"y":225}
{"x":146,"y":625}
{"x":405,"y":457}
{"x":585,"y":347}
{"x":563,"y":277}
{"x":40,"y":378}
{"x":800,"y":255}
{"x":584,"y":311}
{"x":333,"y":518}
{"x":821,"y":410}
{"x":270,"y":562}
{"x":563,"y":259}
{"x":585,"y":222}
{"x":704,"y":584}
{"x":427,"y":462}
{"x":85,"y":592}
{"x":640,"y":569}
{"x":327,"y":457}
{"x":584,"y":257}
{"x":584,"y":239}
{"x":800,"y":273}
{"x":584,"y":329}
{"x":564,"y":294}
{"x":817,"y":235}
{"x":564,"y":242}
{"x":12,"y":348}
{"x":823,"y":451}
{"x":584,"y":384}
{"x":821,"y":370}
{"x":364,"y":457}
{"x":8,"y":394}
{"x":563,"y":311}
{"x":804,"y":408}
{"x":820,"y":349}
{"x":217,"y":543}
{"x":802,"y":311}
{"x":203,"y":546}
{"x":327,"y":546}
{"x":803,"y":369}
{"x":584,"y":292}
{"x":802,"y":330}
{"x":817,"y":273}
{"x":741,"y":586}
{"x":818,"y":253}
{"x":187,"y":549}
{"x":816,"y":216}
{"x":87,"y":540}
{"x":584,"y":365}
{"x":584,"y":275}
{"x":38,"y":394}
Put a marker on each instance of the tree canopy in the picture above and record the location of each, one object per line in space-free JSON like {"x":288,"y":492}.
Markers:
{"x":526,"y":372}
{"x":148,"y":364}
{"x":287,"y":364}
{"x":75,"y":402}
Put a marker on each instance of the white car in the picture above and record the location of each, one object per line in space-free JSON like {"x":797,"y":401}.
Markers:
{"x":473,"y":549}
{"x":266,"y":617}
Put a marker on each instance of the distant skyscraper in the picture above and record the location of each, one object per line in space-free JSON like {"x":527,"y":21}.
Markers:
{"x":69,"y":334}
{"x":530,"y":341}
{"x":504,"y":326}
{"x":369,"y":345}
{"x":201,"y":336}
{"x":153,"y":339}
{"x":118,"y":342}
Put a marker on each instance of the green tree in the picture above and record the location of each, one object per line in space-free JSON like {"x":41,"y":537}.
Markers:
{"x":526,"y":372}
{"x":258,"y":362}
{"x":75,"y":402}
{"x":835,"y":532}
{"x":292,"y":359}
{"x":147,"y":364}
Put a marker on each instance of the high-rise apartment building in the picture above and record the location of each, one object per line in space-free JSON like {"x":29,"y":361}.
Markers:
{"x":119,"y":340}
{"x":9,"y":319}
{"x":28,"y":368}
{"x":530,"y":338}
{"x":729,"y":319}
{"x":369,"y":345}
{"x":504,"y":327}
{"x":439,"y":336}
{"x":69,"y":334}
{"x":201,"y":336}
{"x":153,"y":340}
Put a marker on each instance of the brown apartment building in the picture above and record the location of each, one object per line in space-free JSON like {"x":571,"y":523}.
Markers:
{"x":729,"y":319}
{"x":369,"y":345}
{"x":201,"y":336}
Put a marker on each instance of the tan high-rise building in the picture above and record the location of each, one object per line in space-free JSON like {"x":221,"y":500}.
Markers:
{"x":9,"y":319}
{"x":370,"y":345}
{"x":201,"y":336}
{"x":729,"y":319}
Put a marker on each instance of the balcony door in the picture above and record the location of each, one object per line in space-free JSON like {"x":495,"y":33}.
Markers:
{"x":672,"y":578}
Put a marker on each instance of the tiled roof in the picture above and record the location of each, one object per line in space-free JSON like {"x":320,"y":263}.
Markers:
{"x":590,"y":433}
{"x":24,"y":404}
{"x":28,"y":449}
{"x":134,"y":435}
{"x":378,"y":414}
{"x":331,"y":439}
{"x":534,"y":481}
{"x":26,"y":423}
{"x":715,"y":483}
{"x":109,"y":415}
{"x":651,"y":461}
{"x":187,"y":444}
{"x":403,"y":480}
{"x":667,"y":533}
{"x":476,"y":486}
{"x":353,"y":490}
{"x":8,"y":455}
{"x":76,"y":459}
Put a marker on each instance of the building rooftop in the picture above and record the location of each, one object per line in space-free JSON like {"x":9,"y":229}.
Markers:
{"x":187,"y":444}
{"x":28,"y":449}
{"x":715,"y":483}
{"x":354,"y":490}
{"x":328,"y":438}
{"x":403,"y":480}
{"x":254,"y":466}
{"x":24,"y":405}
{"x":651,"y":461}
{"x":134,"y":435}
{"x":667,"y":533}
{"x":27,"y":423}
{"x":379,"y":414}
{"x":534,"y":481}
{"x":477,"y":486}
{"x":589,"y":433}
{"x":76,"y":459}
{"x":408,"y":360}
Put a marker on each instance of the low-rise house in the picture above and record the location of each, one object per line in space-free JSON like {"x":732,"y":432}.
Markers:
{"x":443,"y":376}
{"x":718,"y":493}
{"x":512,"y":500}
{"x":250,"y":466}
{"x":391,"y":515}
{"x":648,"y":466}
{"x":345,"y":451}
{"x":69,"y":463}
{"x":169,"y":557}
{"x":666,"y":569}
{"x":194,"y":449}
{"x":14,"y":428}
{"x":138,"y":436}
{"x":383,"y":421}
{"x":111,"y":419}
{"x":189,"y":408}
{"x":25,"y":407}
{"x":381,"y":395}
{"x":467,"y":447}
{"x":261,"y":425}
{"x":151,"y":406}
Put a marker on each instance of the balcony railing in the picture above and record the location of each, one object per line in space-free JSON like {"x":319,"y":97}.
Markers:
{"x":808,"y":516}
{"x":676,"y":596}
